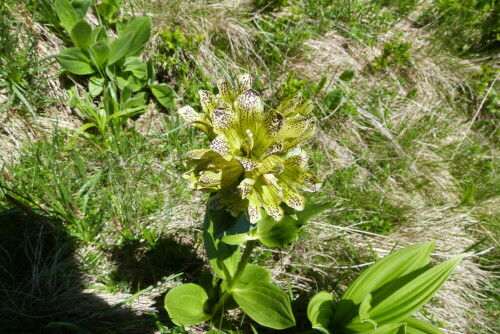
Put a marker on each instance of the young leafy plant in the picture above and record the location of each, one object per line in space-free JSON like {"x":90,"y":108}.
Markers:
{"x":253,"y":168}
{"x":108,"y":61}
{"x":383,"y":298}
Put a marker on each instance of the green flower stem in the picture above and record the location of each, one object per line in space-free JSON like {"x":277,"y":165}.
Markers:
{"x":242,"y":264}
{"x":250,"y":245}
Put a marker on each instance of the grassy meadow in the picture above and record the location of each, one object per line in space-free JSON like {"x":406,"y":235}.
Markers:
{"x":97,"y":222}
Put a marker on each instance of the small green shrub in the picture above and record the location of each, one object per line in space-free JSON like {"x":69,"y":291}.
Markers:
{"x":395,"y":54}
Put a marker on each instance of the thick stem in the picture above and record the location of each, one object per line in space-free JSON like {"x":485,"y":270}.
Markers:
{"x":237,"y":275}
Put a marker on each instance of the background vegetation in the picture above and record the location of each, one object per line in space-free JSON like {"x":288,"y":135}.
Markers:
{"x":95,"y":228}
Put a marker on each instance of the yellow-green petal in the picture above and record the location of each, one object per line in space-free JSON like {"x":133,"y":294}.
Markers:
{"x":293,"y":199}
{"x":245,"y":187}
{"x":226,"y":92}
{"x":297,"y":161}
{"x":225,"y":123}
{"x":222,"y":146}
{"x":249,"y":107}
{"x":196,"y":119}
{"x":289,"y":104}
{"x":208,"y":101}
{"x":295,"y":131}
{"x":210,"y":180}
{"x":304,"y":108}
{"x":247,"y":164}
{"x":244,"y":82}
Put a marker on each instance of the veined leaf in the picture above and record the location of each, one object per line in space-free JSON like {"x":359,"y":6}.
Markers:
{"x":253,"y":274}
{"x":320,"y":311}
{"x":119,"y":48}
{"x":223,"y":258}
{"x":274,"y":233}
{"x":389,"y":329}
{"x":266,"y":304}
{"x":75,"y":61}
{"x":416,"y":326}
{"x":141,"y":29}
{"x":164,"y":94}
{"x":185,"y":304}
{"x":99,"y":52}
{"x":66,"y":13}
{"x":391,"y":267}
{"x":81,"y":34}
{"x":412,"y":296}
{"x":99,"y":34}
{"x":96,"y":86}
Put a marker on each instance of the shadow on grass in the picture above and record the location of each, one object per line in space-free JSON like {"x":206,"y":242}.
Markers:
{"x":41,"y":286}
{"x":139,"y":265}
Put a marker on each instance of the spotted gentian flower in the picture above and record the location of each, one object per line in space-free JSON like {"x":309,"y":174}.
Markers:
{"x":254,"y":161}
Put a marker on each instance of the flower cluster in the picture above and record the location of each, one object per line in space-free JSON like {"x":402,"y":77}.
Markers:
{"x":254,"y":161}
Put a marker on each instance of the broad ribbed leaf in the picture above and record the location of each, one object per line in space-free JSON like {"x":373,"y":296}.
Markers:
{"x":390,"y":268}
{"x":99,"y":52}
{"x":389,"y":329}
{"x":66,"y":13}
{"x":141,"y":29}
{"x":253,"y":274}
{"x":75,"y":61}
{"x":99,"y":34}
{"x":164,"y":94}
{"x":266,"y":304}
{"x":416,"y":326}
{"x":223,"y":258}
{"x":81,"y":34}
{"x":119,"y":48}
{"x":274,"y":233}
{"x":96,"y":86}
{"x":185,"y":304}
{"x":320,"y":311}
{"x":412,"y":296}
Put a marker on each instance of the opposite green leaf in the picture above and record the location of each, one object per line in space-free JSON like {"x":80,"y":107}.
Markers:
{"x":274,"y":233}
{"x":81,"y":34}
{"x":253,"y":274}
{"x":185,"y":304}
{"x":320,"y":311}
{"x":412,"y":296}
{"x":416,"y":326}
{"x":266,"y":304}
{"x":223,"y":258}
{"x":391,"y":267}
{"x":75,"y":61}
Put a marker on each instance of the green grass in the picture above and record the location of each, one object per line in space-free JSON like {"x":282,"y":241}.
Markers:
{"x":396,"y":135}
